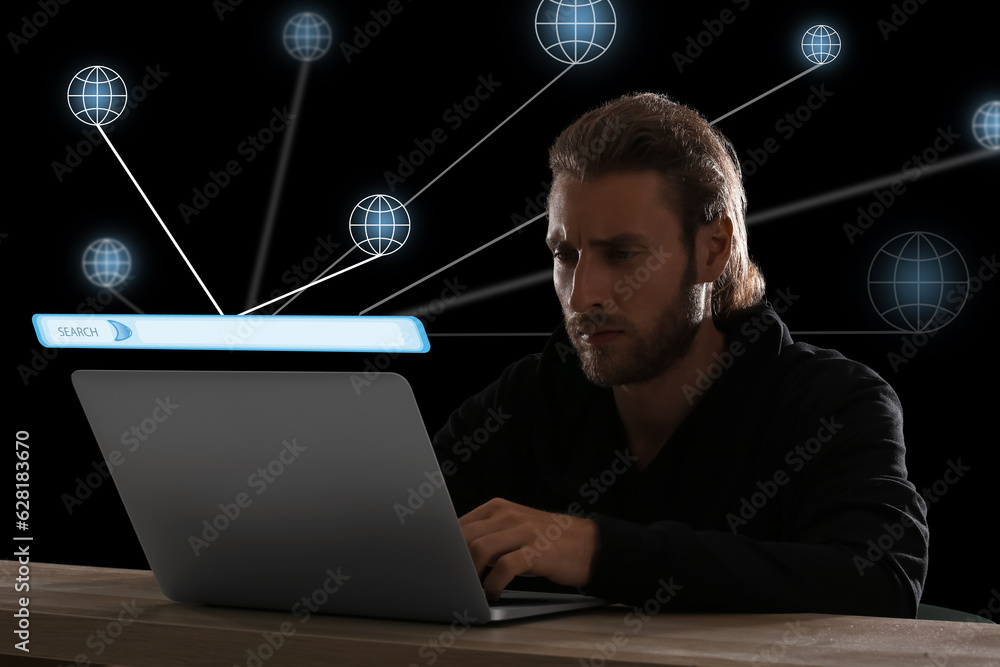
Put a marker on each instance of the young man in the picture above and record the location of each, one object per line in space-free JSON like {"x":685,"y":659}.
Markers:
{"x":671,"y":442}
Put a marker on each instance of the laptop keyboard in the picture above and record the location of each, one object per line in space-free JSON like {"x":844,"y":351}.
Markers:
{"x":521,"y":602}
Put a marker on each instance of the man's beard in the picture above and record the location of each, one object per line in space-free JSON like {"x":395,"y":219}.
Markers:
{"x":639,"y":357}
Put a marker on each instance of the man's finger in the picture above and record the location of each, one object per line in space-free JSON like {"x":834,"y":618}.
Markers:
{"x":489,"y":548}
{"x":486,"y":510}
{"x":508,"y":566}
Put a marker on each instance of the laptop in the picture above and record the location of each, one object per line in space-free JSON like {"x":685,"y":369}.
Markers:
{"x":294,"y":491}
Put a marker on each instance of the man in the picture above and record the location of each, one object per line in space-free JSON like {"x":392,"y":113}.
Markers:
{"x":671,"y":442}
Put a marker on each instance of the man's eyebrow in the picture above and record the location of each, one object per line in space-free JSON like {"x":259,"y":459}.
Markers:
{"x":612,"y":242}
{"x":620,"y":240}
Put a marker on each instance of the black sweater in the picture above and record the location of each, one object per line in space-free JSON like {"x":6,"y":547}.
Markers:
{"x":784,"y":490}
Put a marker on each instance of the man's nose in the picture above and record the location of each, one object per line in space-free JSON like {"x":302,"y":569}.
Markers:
{"x":588,"y":286}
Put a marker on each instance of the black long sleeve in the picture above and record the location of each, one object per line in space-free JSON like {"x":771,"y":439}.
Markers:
{"x":784,"y":490}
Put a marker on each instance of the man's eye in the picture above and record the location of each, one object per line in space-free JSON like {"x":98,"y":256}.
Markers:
{"x":564,"y":255}
{"x":623,"y":254}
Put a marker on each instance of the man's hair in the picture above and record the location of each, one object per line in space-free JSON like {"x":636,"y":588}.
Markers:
{"x":700,"y":168}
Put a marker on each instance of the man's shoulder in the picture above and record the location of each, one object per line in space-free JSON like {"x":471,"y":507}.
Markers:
{"x":799,"y":369}
{"x":805,"y":360}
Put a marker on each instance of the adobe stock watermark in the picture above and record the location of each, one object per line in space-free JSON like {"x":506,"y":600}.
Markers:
{"x":795,"y":635}
{"x":463,"y":450}
{"x":375,"y":366}
{"x":272,"y":642}
{"x":752,"y":330}
{"x":697,"y":44}
{"x":911,"y":170}
{"x":40,"y":359}
{"x":992,"y":608}
{"x":893,"y":532}
{"x":311,"y":603}
{"x":911,"y":344}
{"x":535,"y":206}
{"x":449,"y":294}
{"x":364,"y":35}
{"x":223,"y":7}
{"x":92,"y":136}
{"x":102,"y":638}
{"x":627,"y":286}
{"x":595,"y":487}
{"x":634,"y":622}
{"x":786,"y":126}
{"x":32,"y":24}
{"x":591,"y":491}
{"x":796,"y":460}
{"x":297,"y":275}
{"x":454,"y":117}
{"x":247,"y":151}
{"x":961,"y":633}
{"x":432,"y":650}
{"x":611,"y":131}
{"x":303,"y":272}
{"x":259,"y":481}
{"x":131,"y":440}
{"x":898,"y":17}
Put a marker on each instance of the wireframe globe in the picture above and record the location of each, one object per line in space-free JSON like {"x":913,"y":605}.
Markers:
{"x":986,"y":125}
{"x":307,"y":36}
{"x":106,"y":263}
{"x":380,"y":225}
{"x":918,"y":282}
{"x":97,"y":95}
{"x":821,"y":44}
{"x":575,"y":31}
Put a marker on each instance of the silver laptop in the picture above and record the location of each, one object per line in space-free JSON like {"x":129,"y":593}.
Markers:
{"x":298,"y":491}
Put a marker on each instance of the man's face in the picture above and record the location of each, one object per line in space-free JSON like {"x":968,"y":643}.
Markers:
{"x":626,"y":283}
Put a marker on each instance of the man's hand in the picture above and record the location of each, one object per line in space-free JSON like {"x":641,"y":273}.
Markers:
{"x":517,"y":540}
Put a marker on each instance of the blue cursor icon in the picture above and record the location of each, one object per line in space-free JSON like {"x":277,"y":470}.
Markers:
{"x":121,"y":331}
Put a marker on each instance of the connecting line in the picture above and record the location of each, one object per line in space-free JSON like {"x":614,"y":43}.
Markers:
{"x":325,"y":271}
{"x":150,"y":205}
{"x":305,"y":287}
{"x":448,"y":266}
{"x":489,"y":135}
{"x":866,"y":187}
{"x":278,"y":186}
{"x":763,"y":95}
{"x":126,"y":301}
{"x":861,"y":333}
{"x":492,"y":291}
{"x":457,"y":335}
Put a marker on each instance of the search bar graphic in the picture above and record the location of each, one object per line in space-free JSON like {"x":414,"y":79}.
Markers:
{"x":233,"y":332}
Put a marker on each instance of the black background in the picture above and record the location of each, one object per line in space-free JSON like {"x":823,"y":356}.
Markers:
{"x":226,"y":74}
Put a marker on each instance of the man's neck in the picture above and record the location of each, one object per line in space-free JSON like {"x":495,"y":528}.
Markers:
{"x":652,"y":411}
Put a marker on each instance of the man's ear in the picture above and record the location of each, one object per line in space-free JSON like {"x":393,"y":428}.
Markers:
{"x":714,"y":246}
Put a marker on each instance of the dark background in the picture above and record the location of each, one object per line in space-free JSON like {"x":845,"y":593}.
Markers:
{"x":225,"y":75}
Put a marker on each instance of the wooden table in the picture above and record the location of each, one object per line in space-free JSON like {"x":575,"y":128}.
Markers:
{"x":94,"y":616}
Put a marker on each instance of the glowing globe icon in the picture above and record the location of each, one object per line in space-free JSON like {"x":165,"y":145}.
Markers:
{"x":380,"y":225}
{"x":307,"y":36}
{"x":106,"y":263}
{"x":97,"y":95}
{"x":918,"y":282}
{"x":986,"y":125}
{"x":821,"y":44}
{"x":575,"y":31}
